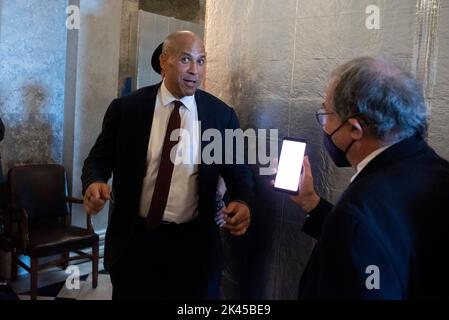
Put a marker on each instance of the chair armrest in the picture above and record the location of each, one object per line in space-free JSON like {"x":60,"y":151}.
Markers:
{"x":18,"y":225}
{"x":89,"y":224}
{"x":74,"y":200}
{"x":90,"y":227}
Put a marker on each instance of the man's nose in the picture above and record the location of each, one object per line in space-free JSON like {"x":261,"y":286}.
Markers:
{"x":193,"y":68}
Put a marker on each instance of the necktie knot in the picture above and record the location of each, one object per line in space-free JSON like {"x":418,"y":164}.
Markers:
{"x":178,"y":104}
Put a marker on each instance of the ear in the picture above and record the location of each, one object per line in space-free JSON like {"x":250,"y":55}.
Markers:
{"x":163,"y":61}
{"x":357,"y":132}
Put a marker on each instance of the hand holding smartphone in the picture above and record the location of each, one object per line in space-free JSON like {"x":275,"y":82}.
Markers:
{"x":290,"y":165}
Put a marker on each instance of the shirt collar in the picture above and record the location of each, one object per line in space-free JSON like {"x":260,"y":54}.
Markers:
{"x":167,"y":98}
{"x":362,"y":164}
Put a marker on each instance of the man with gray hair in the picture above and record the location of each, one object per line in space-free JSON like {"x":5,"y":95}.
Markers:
{"x":384,"y":237}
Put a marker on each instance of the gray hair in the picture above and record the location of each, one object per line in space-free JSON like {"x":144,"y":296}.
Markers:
{"x":385,"y":97}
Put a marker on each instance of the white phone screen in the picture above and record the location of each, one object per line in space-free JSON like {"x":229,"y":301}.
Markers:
{"x":290,"y":165}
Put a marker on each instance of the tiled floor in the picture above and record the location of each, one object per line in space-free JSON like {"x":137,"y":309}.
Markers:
{"x":52,"y":285}
{"x":86,"y":292}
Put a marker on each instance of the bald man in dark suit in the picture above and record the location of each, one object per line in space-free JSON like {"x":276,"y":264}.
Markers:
{"x":179,"y":256}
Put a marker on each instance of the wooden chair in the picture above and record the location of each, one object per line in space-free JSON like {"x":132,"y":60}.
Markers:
{"x":39,"y":221}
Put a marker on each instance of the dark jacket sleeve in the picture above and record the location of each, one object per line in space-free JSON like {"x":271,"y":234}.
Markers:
{"x":2,"y":130}
{"x":100,"y":161}
{"x":350,"y":262}
{"x":238,"y":177}
{"x":316,"y":218}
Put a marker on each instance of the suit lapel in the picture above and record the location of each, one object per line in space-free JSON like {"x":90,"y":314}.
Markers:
{"x":145,"y":113}
{"x":204,"y":114}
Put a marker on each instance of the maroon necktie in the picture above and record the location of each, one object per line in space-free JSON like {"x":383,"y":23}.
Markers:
{"x":162,"y":185}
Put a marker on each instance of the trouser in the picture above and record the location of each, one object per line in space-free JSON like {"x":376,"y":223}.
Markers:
{"x":165,"y":264}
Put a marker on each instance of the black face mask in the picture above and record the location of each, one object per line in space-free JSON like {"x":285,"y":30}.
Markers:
{"x":336,"y":154}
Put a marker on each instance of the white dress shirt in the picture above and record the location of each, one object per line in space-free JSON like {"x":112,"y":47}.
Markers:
{"x":362,"y":164}
{"x":182,"y":202}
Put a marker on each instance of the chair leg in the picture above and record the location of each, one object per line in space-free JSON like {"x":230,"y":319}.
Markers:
{"x":95,"y":265}
{"x":65,"y":262}
{"x":13,"y":265}
{"x":34,"y":271}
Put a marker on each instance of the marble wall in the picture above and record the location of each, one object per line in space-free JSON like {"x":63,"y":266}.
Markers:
{"x":33,"y":41}
{"x":128,"y":45}
{"x":439,"y":98}
{"x":96,"y":85}
{"x":271,"y":60}
{"x":186,"y":10}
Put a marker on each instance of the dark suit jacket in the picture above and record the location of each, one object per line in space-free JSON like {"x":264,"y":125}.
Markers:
{"x":121,"y":150}
{"x":394,"y":215}
{"x":2,"y":135}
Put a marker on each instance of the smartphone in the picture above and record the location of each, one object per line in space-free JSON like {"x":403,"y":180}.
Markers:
{"x":290,"y":165}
